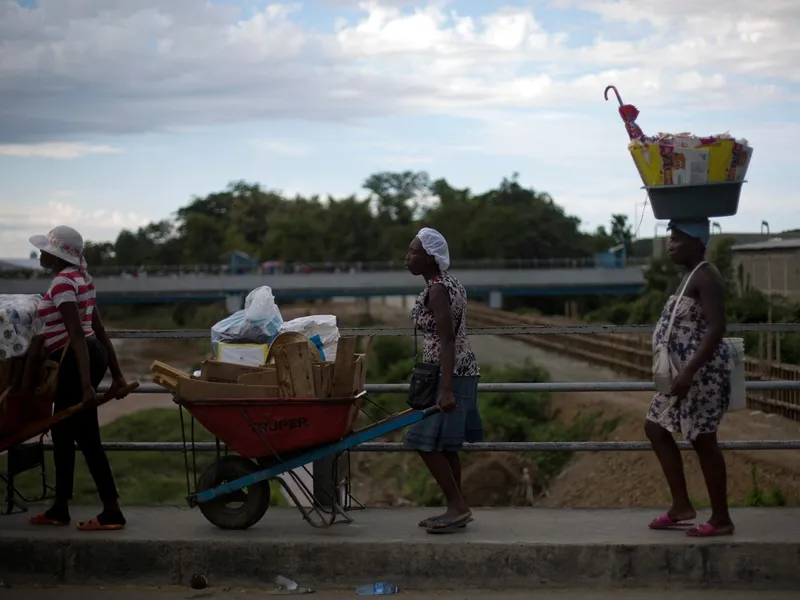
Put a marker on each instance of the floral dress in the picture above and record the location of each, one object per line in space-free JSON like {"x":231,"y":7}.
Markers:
{"x":466,"y":364}
{"x":448,"y":431}
{"x":708,"y":398}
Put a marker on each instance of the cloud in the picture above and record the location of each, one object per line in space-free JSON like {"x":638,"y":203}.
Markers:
{"x":95,"y":67}
{"x":18,"y":223}
{"x":58,"y":150}
{"x":283,"y":147}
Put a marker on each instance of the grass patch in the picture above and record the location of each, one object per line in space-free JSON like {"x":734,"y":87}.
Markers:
{"x":143,"y":478}
{"x":758,"y":497}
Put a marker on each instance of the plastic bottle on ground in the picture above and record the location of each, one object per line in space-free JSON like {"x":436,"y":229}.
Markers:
{"x":377,"y":589}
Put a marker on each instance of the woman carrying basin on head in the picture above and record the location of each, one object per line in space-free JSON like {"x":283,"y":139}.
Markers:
{"x":700,"y":387}
{"x":76,"y":338}
{"x":440,"y":317}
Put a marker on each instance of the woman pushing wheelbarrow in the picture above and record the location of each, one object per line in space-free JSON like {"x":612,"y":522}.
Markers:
{"x":75,"y":338}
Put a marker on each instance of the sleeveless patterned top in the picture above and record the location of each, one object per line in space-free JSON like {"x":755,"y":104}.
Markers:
{"x":466,"y":364}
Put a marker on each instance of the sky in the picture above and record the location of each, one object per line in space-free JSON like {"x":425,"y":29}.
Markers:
{"x":114,"y":113}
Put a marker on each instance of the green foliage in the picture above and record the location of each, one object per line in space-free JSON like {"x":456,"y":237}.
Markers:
{"x":757,"y":497}
{"x":509,"y":222}
{"x":744,"y":304}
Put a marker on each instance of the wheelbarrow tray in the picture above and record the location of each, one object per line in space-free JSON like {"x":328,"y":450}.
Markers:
{"x":266,"y":427}
{"x":29,"y":417}
{"x":299,"y":459}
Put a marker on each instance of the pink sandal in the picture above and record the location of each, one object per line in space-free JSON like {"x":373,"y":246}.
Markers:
{"x":708,"y":530}
{"x":667,"y":522}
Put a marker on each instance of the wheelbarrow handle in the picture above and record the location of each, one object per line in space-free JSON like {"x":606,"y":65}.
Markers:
{"x":430,"y":411}
{"x":121,"y":393}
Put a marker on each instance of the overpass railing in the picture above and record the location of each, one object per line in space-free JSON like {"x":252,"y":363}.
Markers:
{"x":342,"y":267}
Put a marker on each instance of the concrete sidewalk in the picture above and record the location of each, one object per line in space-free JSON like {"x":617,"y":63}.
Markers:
{"x":507,"y":548}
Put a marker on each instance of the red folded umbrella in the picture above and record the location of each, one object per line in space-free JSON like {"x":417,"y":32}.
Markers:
{"x":628,"y":112}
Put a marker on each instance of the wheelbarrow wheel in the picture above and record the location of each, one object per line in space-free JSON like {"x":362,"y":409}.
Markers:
{"x":240,"y":509}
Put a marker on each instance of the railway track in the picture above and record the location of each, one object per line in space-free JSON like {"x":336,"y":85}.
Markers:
{"x":632,"y":355}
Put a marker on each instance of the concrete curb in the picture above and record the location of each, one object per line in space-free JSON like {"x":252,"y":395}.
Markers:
{"x":339,"y":558}
{"x":418,"y":566}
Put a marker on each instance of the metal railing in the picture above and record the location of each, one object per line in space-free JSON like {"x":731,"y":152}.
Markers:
{"x":630,"y":386}
{"x":510,"y":330}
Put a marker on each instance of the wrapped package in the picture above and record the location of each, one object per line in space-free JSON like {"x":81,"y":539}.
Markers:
{"x":684,"y":159}
{"x":258,"y":323}
{"x":18,"y":323}
{"x":320,"y":329}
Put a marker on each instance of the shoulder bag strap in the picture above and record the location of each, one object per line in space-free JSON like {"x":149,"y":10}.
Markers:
{"x":677,"y":301}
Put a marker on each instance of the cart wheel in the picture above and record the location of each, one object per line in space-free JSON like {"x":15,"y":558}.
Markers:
{"x":240,"y":509}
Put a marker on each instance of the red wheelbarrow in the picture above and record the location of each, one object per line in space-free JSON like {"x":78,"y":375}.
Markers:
{"x":272,"y":437}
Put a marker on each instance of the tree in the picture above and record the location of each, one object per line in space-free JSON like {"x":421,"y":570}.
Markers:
{"x":508,"y":222}
{"x":622,"y":232}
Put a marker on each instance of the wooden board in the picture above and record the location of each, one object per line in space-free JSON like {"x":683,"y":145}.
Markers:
{"x":317,"y":373}
{"x":284,"y":373}
{"x":166,"y":376}
{"x":328,"y":369}
{"x":343,"y":371}
{"x":301,"y":369}
{"x":222,"y":372}
{"x":267,"y":376}
{"x":197,"y":389}
{"x":323,"y":379}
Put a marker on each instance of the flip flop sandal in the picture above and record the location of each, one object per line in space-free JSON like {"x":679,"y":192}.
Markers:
{"x":95,"y":525}
{"x":667,"y":522}
{"x":708,"y":530}
{"x":43,"y":519}
{"x":451,"y":526}
{"x":431,"y":522}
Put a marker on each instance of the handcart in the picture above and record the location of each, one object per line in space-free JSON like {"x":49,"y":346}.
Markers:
{"x":23,"y":417}
{"x":273,"y":437}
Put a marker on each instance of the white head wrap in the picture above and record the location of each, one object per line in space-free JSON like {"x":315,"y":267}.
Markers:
{"x":435,"y":245}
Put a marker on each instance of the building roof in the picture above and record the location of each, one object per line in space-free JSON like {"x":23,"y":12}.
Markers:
{"x":772,"y":244}
{"x":25,"y":264}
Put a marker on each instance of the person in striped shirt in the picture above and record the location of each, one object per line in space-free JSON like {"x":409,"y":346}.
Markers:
{"x":75,"y":336}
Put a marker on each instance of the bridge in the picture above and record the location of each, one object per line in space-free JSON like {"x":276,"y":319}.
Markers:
{"x":309,"y":286}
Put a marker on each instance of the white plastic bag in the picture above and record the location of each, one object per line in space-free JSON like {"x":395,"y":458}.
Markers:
{"x":19,"y":323}
{"x":258,"y":323}
{"x":320,"y":329}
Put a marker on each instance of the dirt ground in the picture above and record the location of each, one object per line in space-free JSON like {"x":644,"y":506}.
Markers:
{"x":604,"y":479}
